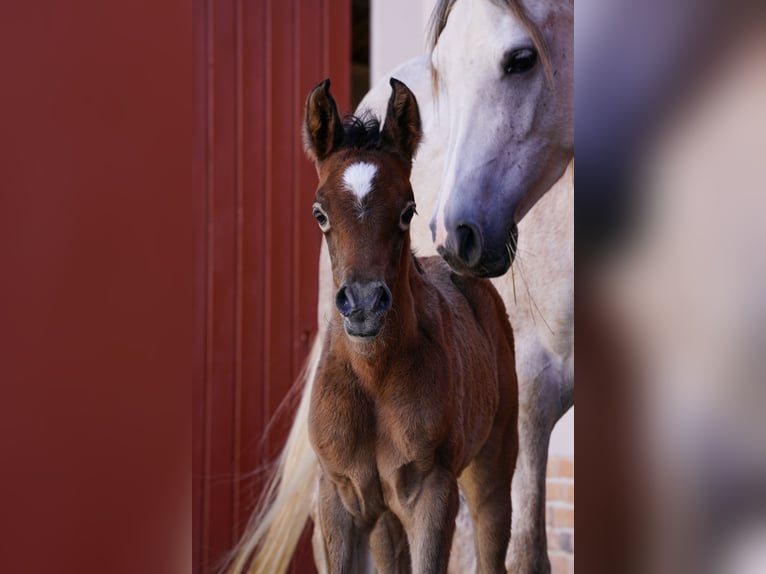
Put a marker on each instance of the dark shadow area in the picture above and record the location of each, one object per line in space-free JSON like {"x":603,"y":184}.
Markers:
{"x":360,"y":50}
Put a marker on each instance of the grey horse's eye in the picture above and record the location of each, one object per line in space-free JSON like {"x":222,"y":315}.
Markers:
{"x":520,"y":61}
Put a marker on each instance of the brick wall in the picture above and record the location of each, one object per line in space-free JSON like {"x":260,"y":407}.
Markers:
{"x":560,"y":514}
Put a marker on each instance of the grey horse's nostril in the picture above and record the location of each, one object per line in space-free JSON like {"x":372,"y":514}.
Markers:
{"x":468,"y":242}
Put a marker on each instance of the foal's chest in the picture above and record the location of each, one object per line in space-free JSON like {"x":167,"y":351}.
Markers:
{"x":349,"y":427}
{"x":374,"y":441}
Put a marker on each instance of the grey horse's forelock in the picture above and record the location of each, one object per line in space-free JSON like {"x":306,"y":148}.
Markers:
{"x":438,"y":21}
{"x":441,"y":12}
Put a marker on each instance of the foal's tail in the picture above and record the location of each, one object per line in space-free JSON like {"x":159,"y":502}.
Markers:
{"x":269,"y":541}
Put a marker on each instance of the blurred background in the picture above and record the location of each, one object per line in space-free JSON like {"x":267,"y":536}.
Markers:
{"x":671,"y":285}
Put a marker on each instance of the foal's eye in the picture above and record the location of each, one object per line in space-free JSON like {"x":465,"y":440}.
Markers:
{"x":321,"y":217}
{"x":519,"y":61}
{"x":407,"y":215}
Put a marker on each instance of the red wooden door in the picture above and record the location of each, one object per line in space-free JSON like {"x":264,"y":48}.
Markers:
{"x":255,"y":243}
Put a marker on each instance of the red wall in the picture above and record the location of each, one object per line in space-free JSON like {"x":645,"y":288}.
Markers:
{"x":255,"y":243}
{"x":95,"y":286}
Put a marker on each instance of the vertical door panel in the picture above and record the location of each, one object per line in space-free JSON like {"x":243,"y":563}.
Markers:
{"x":255,"y":244}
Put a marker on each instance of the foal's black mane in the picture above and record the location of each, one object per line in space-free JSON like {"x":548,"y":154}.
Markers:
{"x":362,"y":132}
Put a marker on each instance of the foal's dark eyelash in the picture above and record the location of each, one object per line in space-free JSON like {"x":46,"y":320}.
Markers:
{"x":320,"y":216}
{"x":407,"y":214}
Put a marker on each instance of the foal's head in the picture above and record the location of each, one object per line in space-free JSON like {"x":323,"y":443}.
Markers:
{"x":364,"y":202}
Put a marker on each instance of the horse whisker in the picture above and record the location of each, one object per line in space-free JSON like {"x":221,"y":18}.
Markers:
{"x":533,"y":304}
{"x":513,"y":275}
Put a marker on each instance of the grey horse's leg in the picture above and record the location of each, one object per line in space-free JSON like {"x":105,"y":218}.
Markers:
{"x":543,"y":399}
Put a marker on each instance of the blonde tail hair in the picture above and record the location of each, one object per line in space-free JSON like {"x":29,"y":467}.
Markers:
{"x":273,"y":532}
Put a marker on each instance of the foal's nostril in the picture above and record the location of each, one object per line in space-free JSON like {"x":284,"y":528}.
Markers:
{"x":468,"y":244}
{"x":344,"y":301}
{"x":384,"y":299}
{"x":363,"y":298}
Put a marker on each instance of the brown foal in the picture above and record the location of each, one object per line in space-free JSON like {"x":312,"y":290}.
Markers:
{"x":416,"y":387}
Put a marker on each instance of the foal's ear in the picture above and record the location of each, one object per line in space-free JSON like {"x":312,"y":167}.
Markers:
{"x":402,"y":126}
{"x":322,"y":129}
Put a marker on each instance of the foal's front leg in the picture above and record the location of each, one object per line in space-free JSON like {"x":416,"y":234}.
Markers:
{"x":388,"y":543}
{"x":344,"y":543}
{"x":430,"y":521}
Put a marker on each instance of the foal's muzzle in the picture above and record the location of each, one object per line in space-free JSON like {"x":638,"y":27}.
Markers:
{"x":362,"y":306}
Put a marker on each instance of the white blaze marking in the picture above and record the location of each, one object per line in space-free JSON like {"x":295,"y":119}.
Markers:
{"x":358,"y":178}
